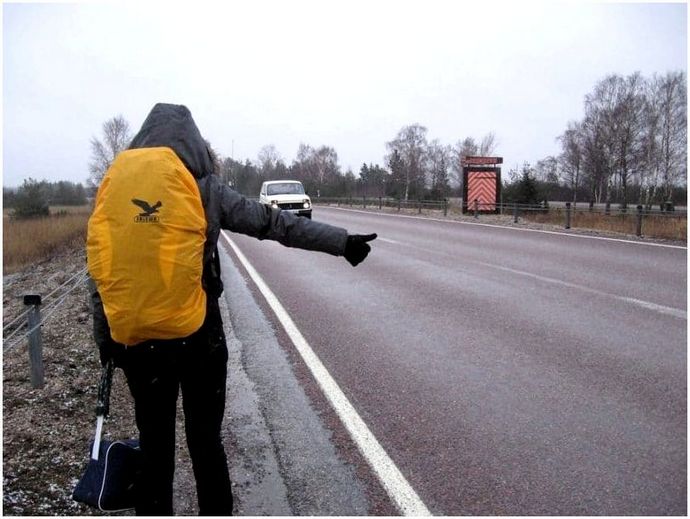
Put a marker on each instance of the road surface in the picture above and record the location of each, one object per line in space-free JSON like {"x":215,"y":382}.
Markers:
{"x":502,"y":371}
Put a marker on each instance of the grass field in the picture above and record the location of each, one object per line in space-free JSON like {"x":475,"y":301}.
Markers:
{"x":33,"y":240}
{"x":653,"y":226}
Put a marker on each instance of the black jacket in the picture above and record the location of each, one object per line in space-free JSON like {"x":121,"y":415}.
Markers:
{"x":172,"y":126}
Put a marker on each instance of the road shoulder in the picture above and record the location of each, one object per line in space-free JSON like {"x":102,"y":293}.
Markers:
{"x":282,"y":458}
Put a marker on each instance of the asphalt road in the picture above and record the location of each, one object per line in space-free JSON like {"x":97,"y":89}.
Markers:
{"x":503,"y":371}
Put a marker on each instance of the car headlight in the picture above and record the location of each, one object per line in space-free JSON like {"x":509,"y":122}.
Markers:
{"x":306,"y":204}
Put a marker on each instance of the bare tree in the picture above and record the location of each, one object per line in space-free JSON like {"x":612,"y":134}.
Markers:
{"x":614,"y":134}
{"x":672,"y":94}
{"x":627,"y":126}
{"x":462,"y":149}
{"x":326,"y":164}
{"x":599,"y":142}
{"x":572,"y":156}
{"x":546,"y":170}
{"x":466,"y":147}
{"x":488,"y":145}
{"x":410,"y":145}
{"x":317,"y":168}
{"x":267,"y":160}
{"x":302,"y":166}
{"x":648,"y":174}
{"x":439,"y":157}
{"x":116,"y":138}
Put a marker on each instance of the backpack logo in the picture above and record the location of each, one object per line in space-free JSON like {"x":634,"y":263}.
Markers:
{"x":148,"y":211}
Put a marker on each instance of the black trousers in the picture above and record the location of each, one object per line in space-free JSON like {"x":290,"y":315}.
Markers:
{"x":156,"y":371}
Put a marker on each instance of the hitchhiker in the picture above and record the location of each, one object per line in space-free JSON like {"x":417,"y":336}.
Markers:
{"x":152,"y":253}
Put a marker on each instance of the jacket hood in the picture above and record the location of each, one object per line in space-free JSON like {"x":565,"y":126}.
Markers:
{"x":172,"y":126}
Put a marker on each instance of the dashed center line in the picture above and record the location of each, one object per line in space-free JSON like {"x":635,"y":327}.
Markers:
{"x":644,"y":304}
{"x":666,"y":310}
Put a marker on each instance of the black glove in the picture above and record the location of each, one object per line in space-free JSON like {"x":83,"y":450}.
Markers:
{"x":357,"y":248}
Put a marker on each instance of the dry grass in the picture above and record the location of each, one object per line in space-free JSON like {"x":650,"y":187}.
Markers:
{"x":653,"y":226}
{"x":33,"y":240}
{"x":71,"y":209}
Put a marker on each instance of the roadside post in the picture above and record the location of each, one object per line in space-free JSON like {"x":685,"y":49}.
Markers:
{"x":35,"y":346}
{"x":445,"y":207}
{"x":567,"y":215}
{"x":639,"y":221}
{"x":515,"y":212}
{"x":476,"y":208}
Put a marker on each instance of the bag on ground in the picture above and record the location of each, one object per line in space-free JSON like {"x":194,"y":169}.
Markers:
{"x":114,"y":466}
{"x":108,"y":481}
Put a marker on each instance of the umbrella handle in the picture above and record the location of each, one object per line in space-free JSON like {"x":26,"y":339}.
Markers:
{"x":103,"y":404}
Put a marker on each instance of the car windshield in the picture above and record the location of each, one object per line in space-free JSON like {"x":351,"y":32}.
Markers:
{"x":285,"y":188}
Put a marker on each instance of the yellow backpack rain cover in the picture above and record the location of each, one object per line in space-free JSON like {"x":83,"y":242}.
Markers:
{"x":145,"y":245}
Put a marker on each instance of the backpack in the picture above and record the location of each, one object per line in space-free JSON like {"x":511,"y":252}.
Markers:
{"x":145,"y":246}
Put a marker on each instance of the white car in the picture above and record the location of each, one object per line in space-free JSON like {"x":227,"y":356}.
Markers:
{"x":287,"y":195}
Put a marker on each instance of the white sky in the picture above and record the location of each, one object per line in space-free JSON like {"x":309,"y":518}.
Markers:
{"x":344,"y":73}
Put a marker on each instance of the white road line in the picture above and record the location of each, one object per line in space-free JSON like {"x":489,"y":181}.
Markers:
{"x":675,"y":312}
{"x":388,"y":241}
{"x":399,"y":490}
{"x":506,"y":227}
{"x":657,"y":308}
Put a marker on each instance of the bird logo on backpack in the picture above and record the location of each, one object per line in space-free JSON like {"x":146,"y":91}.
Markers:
{"x":148,"y":210}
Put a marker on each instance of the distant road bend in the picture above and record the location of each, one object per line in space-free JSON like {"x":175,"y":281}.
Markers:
{"x":503,"y":372}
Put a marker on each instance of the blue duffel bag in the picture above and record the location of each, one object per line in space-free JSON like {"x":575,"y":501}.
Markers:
{"x":109,"y":479}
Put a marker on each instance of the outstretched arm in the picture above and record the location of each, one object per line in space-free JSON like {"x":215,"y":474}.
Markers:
{"x":238,"y":214}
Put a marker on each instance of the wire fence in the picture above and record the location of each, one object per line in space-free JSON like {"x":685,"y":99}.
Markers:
{"x":49,"y":308}
{"x":387,"y":202}
{"x":663,"y":221}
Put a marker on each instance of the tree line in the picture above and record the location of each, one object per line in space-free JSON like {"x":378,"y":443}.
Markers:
{"x":33,"y":198}
{"x":629,"y":146}
{"x":415,"y":168}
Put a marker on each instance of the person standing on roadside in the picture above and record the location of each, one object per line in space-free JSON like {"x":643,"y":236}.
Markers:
{"x":157,"y":368}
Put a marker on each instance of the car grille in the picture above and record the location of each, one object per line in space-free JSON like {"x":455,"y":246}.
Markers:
{"x":292,"y":205}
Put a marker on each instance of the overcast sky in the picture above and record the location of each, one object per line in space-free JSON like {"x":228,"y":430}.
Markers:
{"x":341,"y":73}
